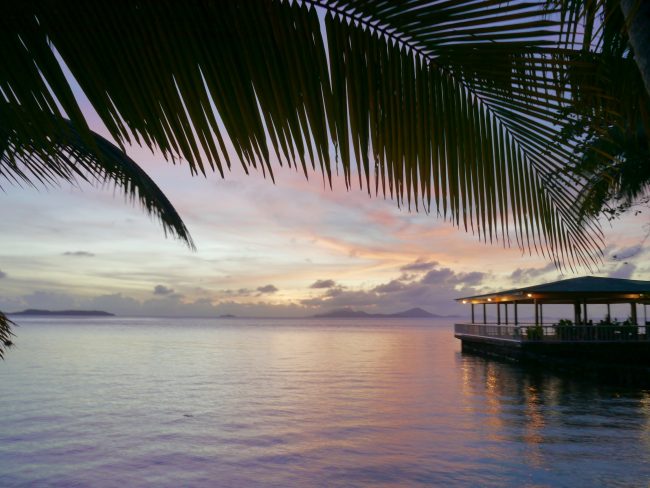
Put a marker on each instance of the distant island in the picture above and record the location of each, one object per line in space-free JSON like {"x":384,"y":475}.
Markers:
{"x":348,"y":313}
{"x":65,"y":313}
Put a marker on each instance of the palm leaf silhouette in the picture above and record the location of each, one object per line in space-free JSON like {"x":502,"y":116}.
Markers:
{"x":454,"y":106}
{"x":5,"y":333}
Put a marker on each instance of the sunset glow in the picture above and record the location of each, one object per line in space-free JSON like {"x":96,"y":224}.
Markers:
{"x":84,"y":247}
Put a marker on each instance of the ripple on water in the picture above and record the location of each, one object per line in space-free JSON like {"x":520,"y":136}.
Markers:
{"x":388,"y":403}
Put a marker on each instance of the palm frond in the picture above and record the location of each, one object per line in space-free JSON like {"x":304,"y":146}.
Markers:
{"x":5,"y":334}
{"x":30,"y":156}
{"x":610,"y":113}
{"x":453,"y":105}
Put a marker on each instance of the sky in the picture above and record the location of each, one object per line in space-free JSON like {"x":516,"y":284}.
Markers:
{"x":290,"y":249}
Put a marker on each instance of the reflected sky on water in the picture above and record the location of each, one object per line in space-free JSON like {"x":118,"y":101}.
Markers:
{"x":142,"y":402}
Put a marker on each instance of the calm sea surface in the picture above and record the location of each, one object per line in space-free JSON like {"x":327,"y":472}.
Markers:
{"x":168,"y":402}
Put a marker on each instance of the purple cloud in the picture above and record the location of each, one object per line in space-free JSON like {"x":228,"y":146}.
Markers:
{"x":419,"y":265}
{"x":437,"y":276}
{"x":627,"y":252}
{"x":525,"y":275}
{"x":390,"y":287}
{"x":323,"y":284}
{"x":267,"y":289}
{"x":242,"y":292}
{"x":435,"y":290}
{"x":473,"y":278}
{"x":624,"y":271}
{"x":162,"y":290}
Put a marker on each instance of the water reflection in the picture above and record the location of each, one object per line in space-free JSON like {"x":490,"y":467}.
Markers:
{"x":556,"y":413}
{"x":287,"y":403}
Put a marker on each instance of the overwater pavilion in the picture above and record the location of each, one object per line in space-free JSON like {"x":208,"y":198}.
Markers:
{"x":576,"y":336}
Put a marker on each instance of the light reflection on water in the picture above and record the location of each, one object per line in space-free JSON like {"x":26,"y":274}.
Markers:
{"x":141,"y":402}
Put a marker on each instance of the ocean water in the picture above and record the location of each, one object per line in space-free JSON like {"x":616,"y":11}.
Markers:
{"x":242,"y":403}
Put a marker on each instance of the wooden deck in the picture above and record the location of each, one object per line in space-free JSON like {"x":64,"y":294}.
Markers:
{"x":553,"y":333}
{"x":628,"y":344}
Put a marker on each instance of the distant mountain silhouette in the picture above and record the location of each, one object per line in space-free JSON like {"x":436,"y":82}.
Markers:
{"x":417,"y":313}
{"x":348,"y":313}
{"x":65,"y":313}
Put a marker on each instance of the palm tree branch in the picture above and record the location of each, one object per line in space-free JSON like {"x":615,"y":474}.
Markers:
{"x":389,"y":87}
{"x":65,"y":156}
{"x":5,"y":334}
{"x":529,"y":137}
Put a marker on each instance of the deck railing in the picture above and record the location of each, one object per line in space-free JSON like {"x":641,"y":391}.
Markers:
{"x":555,"y":333}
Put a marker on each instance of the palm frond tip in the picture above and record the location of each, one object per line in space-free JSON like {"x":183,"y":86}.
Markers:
{"x":5,"y":334}
{"x":62,"y":154}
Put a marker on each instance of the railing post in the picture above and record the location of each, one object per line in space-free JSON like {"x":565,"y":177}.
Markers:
{"x":633,"y":313}
{"x":472,"y":313}
{"x":536,"y":312}
{"x":484,"y":316}
{"x":516,"y":317}
{"x":498,"y":313}
{"x":584,"y":307}
{"x":505,"y":305}
{"x":541,"y":314}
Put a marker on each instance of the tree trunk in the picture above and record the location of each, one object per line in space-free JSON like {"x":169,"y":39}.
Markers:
{"x":637,"y":19}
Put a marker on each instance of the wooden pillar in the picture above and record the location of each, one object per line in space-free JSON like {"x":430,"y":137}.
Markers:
{"x":472,"y":313}
{"x":609,"y":313}
{"x":506,"y":307}
{"x":585,"y":319}
{"x":484,"y":315}
{"x":498,"y":313}
{"x":541,"y":315}
{"x":645,"y":315}
{"x":633,"y":313}
{"x":536,"y":312}
{"x":576,"y":313}
{"x":516,"y":318}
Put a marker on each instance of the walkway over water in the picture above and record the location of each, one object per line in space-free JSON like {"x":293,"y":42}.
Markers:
{"x":555,"y":333}
{"x":623,"y":341}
